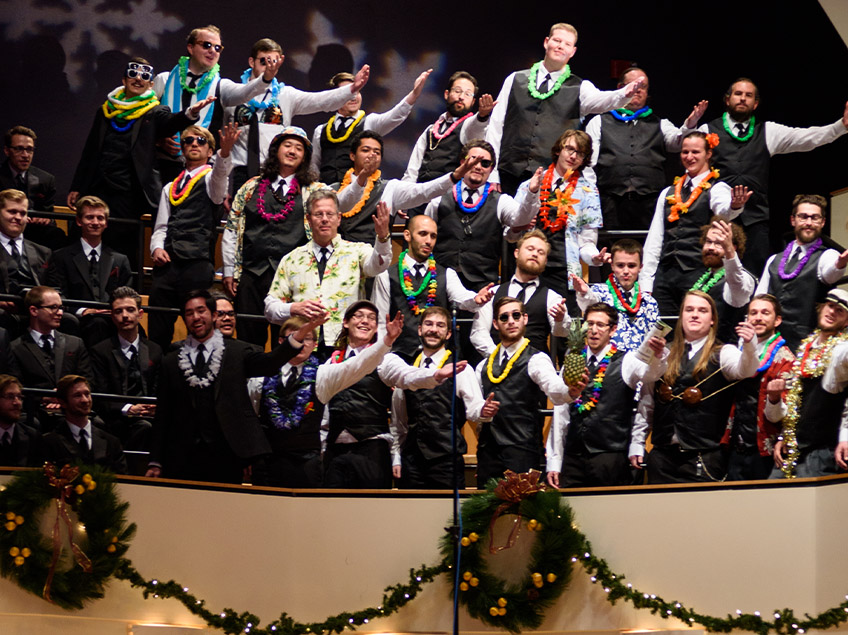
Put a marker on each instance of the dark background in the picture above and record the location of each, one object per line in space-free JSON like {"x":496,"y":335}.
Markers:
{"x":61,"y":57}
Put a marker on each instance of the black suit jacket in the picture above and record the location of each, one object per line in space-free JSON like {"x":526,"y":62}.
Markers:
{"x":173,"y":428}
{"x":40,"y":187}
{"x":32,"y":367}
{"x":60,"y":448}
{"x":25,"y":450}
{"x":6,"y":364}
{"x":67,"y":272}
{"x":37,"y":256}
{"x":110,"y":366}
{"x":158,"y":123}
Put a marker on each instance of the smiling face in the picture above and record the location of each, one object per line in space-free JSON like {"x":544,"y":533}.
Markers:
{"x":807,"y":222}
{"x":135,"y":86}
{"x":626,"y":268}
{"x":48,"y":315}
{"x":290,"y":155}
{"x":200,"y":321}
{"x":361,"y":327}
{"x":434,"y":332}
{"x":13,"y":218}
{"x":763,"y":318}
{"x":77,"y":401}
{"x":202,"y":58}
{"x":560,"y":47}
{"x":510,"y":323}
{"x":833,"y":318}
{"x":695,"y":156}
{"x":478,"y":175}
{"x":421,"y":236}
{"x":742,"y":101}
{"x":92,"y":221}
{"x":696,"y":317}
{"x":532,"y":256}
{"x":225,"y":317}
{"x":21,"y":152}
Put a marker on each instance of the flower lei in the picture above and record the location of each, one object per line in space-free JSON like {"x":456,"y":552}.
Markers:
{"x":618,"y":299}
{"x":255,"y":104}
{"x":118,"y":107}
{"x":418,"y":359}
{"x":434,"y":129}
{"x":678,"y":206}
{"x":597,"y":382}
{"x":725,"y":121}
{"x":348,"y":177}
{"x":470,"y":209}
{"x":216,"y":343}
{"x":561,"y":199}
{"x":625,"y":114}
{"x":770,"y":351}
{"x":704,"y":284}
{"x":781,"y":270}
{"x":281,"y":416}
{"x":205,"y":79}
{"x":288,"y":205}
{"x":328,"y":129}
{"x":531,"y":82}
{"x":178,"y":197}
{"x":494,"y":355}
{"x":430,"y":282}
{"x":804,"y":367}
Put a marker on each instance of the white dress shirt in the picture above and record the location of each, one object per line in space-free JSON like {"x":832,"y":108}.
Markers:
{"x":471,"y":128}
{"x":542,"y":372}
{"x":512,"y":212}
{"x":827,"y":271}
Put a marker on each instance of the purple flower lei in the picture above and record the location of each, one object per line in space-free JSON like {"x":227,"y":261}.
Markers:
{"x":288,"y":205}
{"x":781,"y":270}
{"x":281,"y":416}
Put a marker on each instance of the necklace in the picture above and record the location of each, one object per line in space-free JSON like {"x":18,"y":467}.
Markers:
{"x":531,"y":81}
{"x":678,"y":206}
{"x":122,"y":108}
{"x":618,"y":299}
{"x":348,"y":177}
{"x":770,"y":351}
{"x":491,"y":363}
{"x":329,"y":128}
{"x":597,"y":382}
{"x":288,"y":203}
{"x":282,"y":416}
{"x":256,"y":104}
{"x":470,"y":209}
{"x":417,"y":362}
{"x":430,"y":282}
{"x":178,"y":197}
{"x":725,"y":121}
{"x":216,"y":346}
{"x":434,"y":130}
{"x":624,"y":114}
{"x":708,"y":280}
{"x":781,"y":270}
{"x":204,"y":79}
{"x":561,"y":199}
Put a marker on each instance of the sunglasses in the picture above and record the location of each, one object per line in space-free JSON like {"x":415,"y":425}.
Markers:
{"x":267,"y":60}
{"x":144,"y":71}
{"x":201,"y":141}
{"x":486,"y":163}
{"x":503,"y":318}
{"x":208,"y":45}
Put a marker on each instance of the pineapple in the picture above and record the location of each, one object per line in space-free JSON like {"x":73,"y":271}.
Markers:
{"x":574,"y":363}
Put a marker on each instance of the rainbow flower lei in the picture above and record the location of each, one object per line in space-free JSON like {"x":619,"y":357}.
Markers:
{"x":280,"y":415}
{"x":288,"y":205}
{"x":597,"y":382}
{"x":178,"y":197}
{"x":430,"y":282}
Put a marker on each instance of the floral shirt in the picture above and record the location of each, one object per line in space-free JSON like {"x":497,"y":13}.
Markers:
{"x":632,"y":328}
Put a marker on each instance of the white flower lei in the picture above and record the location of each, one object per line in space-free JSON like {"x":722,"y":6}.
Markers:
{"x":215,"y":344}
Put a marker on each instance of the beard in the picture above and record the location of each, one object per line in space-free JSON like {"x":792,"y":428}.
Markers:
{"x":531,"y":268}
{"x":457,"y":109}
{"x":712,"y":261}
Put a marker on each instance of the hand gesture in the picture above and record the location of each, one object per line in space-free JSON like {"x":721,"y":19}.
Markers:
{"x":601,"y":258}
{"x":72,"y":199}
{"x":229,"y":135}
{"x":841,"y":262}
{"x":633,"y":86}
{"x":725,"y":231}
{"x":553,"y":479}
{"x":308,"y":309}
{"x":485,"y":105}
{"x":842,"y":455}
{"x":746,"y":331}
{"x":369,"y":165}
{"x":271,"y":68}
{"x":739,"y":196}
{"x":558,"y":311}
{"x":484,"y":295}
{"x":575,"y":390}
{"x":774,"y":390}
{"x":418,"y":86}
{"x":491,"y":407}
{"x":393,"y":328}
{"x":779,"y":451}
{"x":637,"y":461}
{"x":230,"y":285}
{"x":696,"y":114}
{"x":657,"y":345}
{"x":381,"y":219}
{"x":579,"y":283}
{"x":194,"y":111}
{"x":446,"y":371}
{"x":360,"y":79}
{"x":845,"y":116}
{"x":465,"y":167}
{"x":536,"y":181}
{"x":318,"y":319}
{"x":160,"y":257}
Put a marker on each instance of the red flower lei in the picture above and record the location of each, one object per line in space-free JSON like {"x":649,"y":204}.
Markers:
{"x":561,"y":200}
{"x":435,"y":129}
{"x":622,"y":305}
{"x":678,"y":206}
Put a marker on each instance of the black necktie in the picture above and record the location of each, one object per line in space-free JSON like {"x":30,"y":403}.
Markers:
{"x":322,"y":262}
{"x":21,"y":183}
{"x":341,"y":123}
{"x":135,"y":386}
{"x":793,"y":260}
{"x":16,"y":254}
{"x":687,"y":350}
{"x":292,"y":378}
{"x":741,"y":129}
{"x":83,"y":443}
{"x":592,"y":366}
{"x":443,"y":125}
{"x":46,"y":345}
{"x":686,"y":190}
{"x":557,"y":184}
{"x":351,"y":355}
{"x":6,"y":442}
{"x":469,"y":199}
{"x":428,"y":362}
{"x":504,"y":359}
{"x":523,"y":293}
{"x":419,"y":274}
{"x":185,"y":99}
{"x":200,"y":366}
{"x":546,"y":85}
{"x":94,"y":273}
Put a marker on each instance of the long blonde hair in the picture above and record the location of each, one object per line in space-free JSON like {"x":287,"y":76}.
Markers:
{"x":710,"y":349}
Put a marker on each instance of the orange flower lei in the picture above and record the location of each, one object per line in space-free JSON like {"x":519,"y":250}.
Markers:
{"x":678,"y":206}
{"x":365,"y":195}
{"x":561,"y":200}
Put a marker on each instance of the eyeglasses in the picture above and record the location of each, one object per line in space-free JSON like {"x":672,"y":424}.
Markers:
{"x":503,"y":318}
{"x":15,"y":396}
{"x":462,"y":93}
{"x":144,"y":71}
{"x":267,"y":60}
{"x":208,"y":45}
{"x":53,"y":308}
{"x":367,"y":316}
{"x":573,"y":151}
{"x":813,"y":218}
{"x":201,"y":141}
{"x":602,"y":326}
{"x":323,"y":214}
{"x":22,"y":149}
{"x":226,"y":313}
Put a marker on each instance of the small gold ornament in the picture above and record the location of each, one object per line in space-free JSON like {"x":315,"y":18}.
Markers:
{"x":80,"y":489}
{"x":14,"y":552}
{"x":111,"y":548}
{"x":473,"y":536}
{"x":463,"y":586}
{"x":466,"y":576}
{"x":465,"y":541}
{"x":92,"y":485}
{"x":502,"y":602}
{"x":86,"y":478}
{"x":493,"y":611}
{"x":19,"y":561}
{"x":10,"y":515}
{"x":474,"y":581}
{"x":501,"y":612}
{"x":19,"y":520}
{"x":531,"y":524}
{"x":10,"y":526}
{"x":551,"y":577}
{"x":25,"y":552}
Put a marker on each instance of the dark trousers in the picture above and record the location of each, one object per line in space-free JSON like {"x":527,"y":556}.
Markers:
{"x":296,"y":469}
{"x":604,"y":469}
{"x":250,"y":300}
{"x":674,"y":465}
{"x":170,"y":285}
{"x":510,"y":182}
{"x":813,"y":462}
{"x":757,"y":247}
{"x":670,"y":285}
{"x":363,"y":465}
{"x":493,"y":459}
{"x":746,"y":464}
{"x":419,"y":472}
{"x":125,"y":204}
{"x":628,"y":211}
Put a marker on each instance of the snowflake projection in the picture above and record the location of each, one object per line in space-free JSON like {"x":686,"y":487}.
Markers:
{"x":81,"y":25}
{"x":321,"y":31}
{"x":399,"y":76}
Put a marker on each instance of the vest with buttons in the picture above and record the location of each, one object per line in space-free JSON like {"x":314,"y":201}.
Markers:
{"x":335,"y":157}
{"x":631,"y":157}
{"x":359,"y":228}
{"x":266,"y":242}
{"x":408,"y":341}
{"x":191,"y":226}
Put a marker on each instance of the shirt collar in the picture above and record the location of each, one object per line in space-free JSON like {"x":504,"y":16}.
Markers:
{"x":697,"y":345}
{"x":514,"y":347}
{"x":125,"y":345}
{"x":437,"y":357}
{"x":600,"y":354}
{"x":5,"y":240}
{"x":86,"y":248}
{"x":75,"y":430}
{"x":38,"y":337}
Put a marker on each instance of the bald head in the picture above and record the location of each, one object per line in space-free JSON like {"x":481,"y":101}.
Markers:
{"x":420,"y":234}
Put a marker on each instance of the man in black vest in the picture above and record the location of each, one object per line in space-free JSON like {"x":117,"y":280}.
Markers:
{"x":536,"y":105}
{"x":127,"y":364}
{"x":472,"y":217}
{"x":814,"y":439}
{"x":183,"y":239}
{"x":589,"y":440}
{"x":688,"y":414}
{"x":630,"y":147}
{"x":437,"y":150}
{"x":332,"y":156}
{"x":808,"y":268}
{"x":545,"y":307}
{"x":419,"y":282}
{"x":744,"y":156}
{"x":19,"y":443}
{"x":519,"y":376}
{"x":265,"y":223}
{"x":422,"y":418}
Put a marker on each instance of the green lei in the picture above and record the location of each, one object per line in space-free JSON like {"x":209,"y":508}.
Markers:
{"x":207,"y":76}
{"x":705,"y":285}
{"x":534,"y":72}
{"x":725,"y":121}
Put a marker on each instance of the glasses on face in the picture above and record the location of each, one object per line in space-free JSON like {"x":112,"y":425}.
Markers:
{"x":601,"y":326}
{"x":573,"y":152}
{"x":503,"y":318}
{"x":22,"y":149}
{"x":324,"y":214}
{"x":365,"y":316}
{"x":226,"y":313}
{"x":486,"y":163}
{"x":813,"y":218}
{"x":13,"y":396}
{"x":201,"y":141}
{"x":53,"y":308}
{"x":208,"y":45}
{"x":267,"y":60}
{"x":144,"y":71}
{"x":458,"y":92}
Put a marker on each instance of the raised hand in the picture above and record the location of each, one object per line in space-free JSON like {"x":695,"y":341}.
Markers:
{"x":360,"y":79}
{"x":418,"y":86}
{"x":271,"y":68}
{"x":491,"y":407}
{"x":229,"y":135}
{"x":393,"y":328}
{"x":484,"y":295}
{"x":580,"y":285}
{"x":194,"y":111}
{"x":602,"y":257}
{"x":696,"y":114}
{"x":381,"y":220}
{"x":739,"y":196}
{"x":536,"y":180}
{"x":746,"y":331}
{"x":485,"y":106}
{"x":465,"y":167}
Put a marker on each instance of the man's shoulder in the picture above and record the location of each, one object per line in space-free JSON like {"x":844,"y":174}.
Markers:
{"x":68,"y":252}
{"x":43,"y":175}
{"x":70,"y":341}
{"x":105,"y":347}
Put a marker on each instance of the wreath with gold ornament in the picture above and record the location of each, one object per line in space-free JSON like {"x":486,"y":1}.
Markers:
{"x":513,"y":606}
{"x":87,"y":532}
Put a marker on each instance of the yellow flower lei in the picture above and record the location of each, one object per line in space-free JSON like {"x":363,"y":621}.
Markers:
{"x":328,"y":130}
{"x":179,"y":199}
{"x":417,"y":362}
{"x":509,"y":364}
{"x":365,"y":195}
